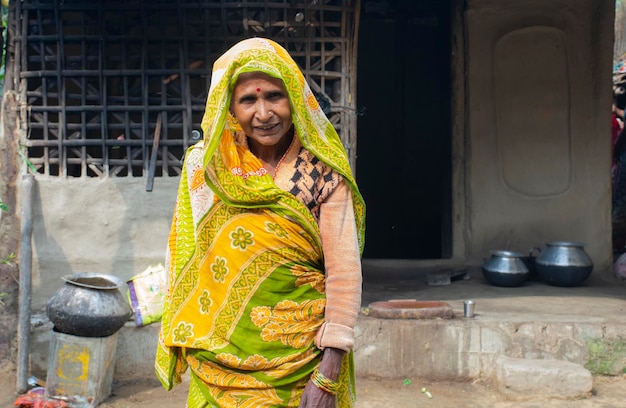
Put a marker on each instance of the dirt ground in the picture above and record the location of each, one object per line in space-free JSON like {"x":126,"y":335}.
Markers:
{"x":608,"y":392}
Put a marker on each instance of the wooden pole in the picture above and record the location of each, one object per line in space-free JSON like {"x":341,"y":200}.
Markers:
{"x":153,"y":157}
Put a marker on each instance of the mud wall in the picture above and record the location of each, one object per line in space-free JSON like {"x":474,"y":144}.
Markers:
{"x":538,"y":109}
{"x":110,"y":225}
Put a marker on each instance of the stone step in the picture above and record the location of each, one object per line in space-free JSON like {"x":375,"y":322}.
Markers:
{"x":521,"y":377}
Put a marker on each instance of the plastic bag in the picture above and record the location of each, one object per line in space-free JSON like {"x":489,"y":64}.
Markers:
{"x":146,"y":293}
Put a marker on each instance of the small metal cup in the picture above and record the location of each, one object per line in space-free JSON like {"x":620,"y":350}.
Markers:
{"x":468,"y":308}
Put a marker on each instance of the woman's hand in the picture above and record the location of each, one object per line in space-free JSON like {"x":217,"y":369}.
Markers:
{"x":314,"y":397}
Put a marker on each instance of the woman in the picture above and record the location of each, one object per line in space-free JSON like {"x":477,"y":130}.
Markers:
{"x":264,"y":251}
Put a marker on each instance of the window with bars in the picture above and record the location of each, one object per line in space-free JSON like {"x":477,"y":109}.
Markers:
{"x":117,"y":88}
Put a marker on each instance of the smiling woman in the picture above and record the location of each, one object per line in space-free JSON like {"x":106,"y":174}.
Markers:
{"x":264,"y":251}
{"x":260,"y":104}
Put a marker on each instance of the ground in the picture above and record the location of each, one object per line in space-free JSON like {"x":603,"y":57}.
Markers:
{"x":592,"y":301}
{"x":609,"y":392}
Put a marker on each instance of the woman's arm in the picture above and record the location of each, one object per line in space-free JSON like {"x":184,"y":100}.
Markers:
{"x":342,"y":262}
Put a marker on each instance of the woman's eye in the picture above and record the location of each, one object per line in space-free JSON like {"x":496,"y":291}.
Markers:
{"x":275,"y":95}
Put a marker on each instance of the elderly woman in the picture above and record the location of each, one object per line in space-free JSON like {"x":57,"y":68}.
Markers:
{"x":264,"y":251}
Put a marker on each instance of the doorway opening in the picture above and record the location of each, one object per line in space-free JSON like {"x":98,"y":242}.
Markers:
{"x":404,"y":128}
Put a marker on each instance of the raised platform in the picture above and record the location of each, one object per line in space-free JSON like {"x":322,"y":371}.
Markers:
{"x":585,"y":325}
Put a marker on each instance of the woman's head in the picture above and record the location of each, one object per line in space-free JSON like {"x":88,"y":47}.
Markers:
{"x":266,"y":56}
{"x":260,"y":104}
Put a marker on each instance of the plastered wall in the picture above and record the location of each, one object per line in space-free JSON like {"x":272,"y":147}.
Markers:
{"x":110,"y":225}
{"x":531,"y":153}
{"x":538,"y":109}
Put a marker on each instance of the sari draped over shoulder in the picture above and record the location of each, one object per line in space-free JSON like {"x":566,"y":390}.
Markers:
{"x":245,"y":261}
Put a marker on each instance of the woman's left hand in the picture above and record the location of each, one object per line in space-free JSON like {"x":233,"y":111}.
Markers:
{"x":314,"y":397}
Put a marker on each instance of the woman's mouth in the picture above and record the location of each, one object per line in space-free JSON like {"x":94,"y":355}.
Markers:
{"x":267,"y":128}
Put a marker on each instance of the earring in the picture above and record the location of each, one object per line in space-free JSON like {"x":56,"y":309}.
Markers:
{"x":233,"y":123}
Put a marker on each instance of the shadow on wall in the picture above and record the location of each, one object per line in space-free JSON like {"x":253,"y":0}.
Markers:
{"x":144,"y":225}
{"x":48,"y":255}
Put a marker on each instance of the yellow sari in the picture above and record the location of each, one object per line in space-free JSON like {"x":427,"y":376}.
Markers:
{"x":246,"y":268}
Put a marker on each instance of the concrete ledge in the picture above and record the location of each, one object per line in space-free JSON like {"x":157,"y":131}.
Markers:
{"x":461,"y":349}
{"x":136,"y":348}
{"x":444,"y":349}
{"x":535,"y":378}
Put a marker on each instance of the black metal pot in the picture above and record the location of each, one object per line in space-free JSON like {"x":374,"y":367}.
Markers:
{"x":89,"y":305}
{"x":505,"y":268}
{"x":564,"y":263}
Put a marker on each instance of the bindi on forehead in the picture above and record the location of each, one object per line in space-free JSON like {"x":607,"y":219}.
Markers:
{"x":256,"y":84}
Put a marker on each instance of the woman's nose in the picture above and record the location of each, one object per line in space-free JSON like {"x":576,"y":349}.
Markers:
{"x":264,"y":111}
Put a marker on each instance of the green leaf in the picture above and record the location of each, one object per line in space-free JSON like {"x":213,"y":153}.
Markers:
{"x":29,"y":164}
{"x":7,"y":260}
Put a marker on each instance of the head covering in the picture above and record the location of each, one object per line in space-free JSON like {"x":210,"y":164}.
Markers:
{"x":236,"y":177}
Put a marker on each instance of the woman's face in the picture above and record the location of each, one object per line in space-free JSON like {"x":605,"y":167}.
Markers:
{"x":261,"y":105}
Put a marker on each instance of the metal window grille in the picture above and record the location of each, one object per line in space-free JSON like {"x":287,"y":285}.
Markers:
{"x":117,"y":88}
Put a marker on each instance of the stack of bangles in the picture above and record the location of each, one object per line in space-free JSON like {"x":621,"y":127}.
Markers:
{"x":324,"y":383}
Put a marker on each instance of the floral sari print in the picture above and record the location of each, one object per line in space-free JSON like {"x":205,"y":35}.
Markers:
{"x":246,"y":268}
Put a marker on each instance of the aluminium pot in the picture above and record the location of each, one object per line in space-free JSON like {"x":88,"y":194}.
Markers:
{"x":564,"y":263}
{"x":89,"y":304}
{"x":505,"y":268}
